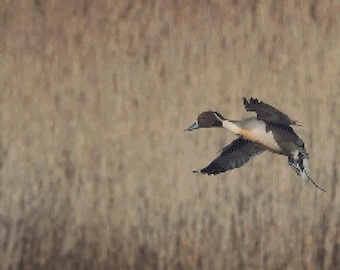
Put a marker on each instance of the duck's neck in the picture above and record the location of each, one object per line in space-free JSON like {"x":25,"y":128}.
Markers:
{"x":231,"y":125}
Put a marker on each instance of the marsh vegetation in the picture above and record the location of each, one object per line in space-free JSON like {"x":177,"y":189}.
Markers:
{"x":95,"y":169}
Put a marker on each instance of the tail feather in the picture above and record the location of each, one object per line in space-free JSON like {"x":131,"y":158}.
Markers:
{"x":301,"y":166}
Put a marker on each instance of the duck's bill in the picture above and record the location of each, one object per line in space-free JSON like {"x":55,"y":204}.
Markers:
{"x":193,"y":126}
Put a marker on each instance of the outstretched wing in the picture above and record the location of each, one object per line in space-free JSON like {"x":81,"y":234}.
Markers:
{"x":233,"y":156}
{"x":267,"y":113}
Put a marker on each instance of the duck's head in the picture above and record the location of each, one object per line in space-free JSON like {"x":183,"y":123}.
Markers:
{"x":206,"y":120}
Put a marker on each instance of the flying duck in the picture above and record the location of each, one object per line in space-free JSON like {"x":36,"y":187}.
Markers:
{"x":270,"y":130}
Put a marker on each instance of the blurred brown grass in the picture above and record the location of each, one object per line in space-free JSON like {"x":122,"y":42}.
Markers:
{"x":95,"y":166}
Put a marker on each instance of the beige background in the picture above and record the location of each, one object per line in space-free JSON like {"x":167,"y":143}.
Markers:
{"x":95,"y":168}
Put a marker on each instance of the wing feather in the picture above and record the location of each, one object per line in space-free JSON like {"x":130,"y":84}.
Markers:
{"x":267,"y":112}
{"x":233,"y":156}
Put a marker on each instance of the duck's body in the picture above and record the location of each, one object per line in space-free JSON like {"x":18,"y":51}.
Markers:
{"x":273,"y":137}
{"x":270,"y":130}
{"x":258,"y":132}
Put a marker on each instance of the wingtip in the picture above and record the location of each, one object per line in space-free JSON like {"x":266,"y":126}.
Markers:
{"x":245,"y":102}
{"x":249,"y":104}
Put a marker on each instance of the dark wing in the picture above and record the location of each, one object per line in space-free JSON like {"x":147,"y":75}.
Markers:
{"x":233,"y":156}
{"x":267,"y":113}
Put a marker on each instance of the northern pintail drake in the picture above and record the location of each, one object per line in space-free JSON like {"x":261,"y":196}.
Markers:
{"x":270,"y":130}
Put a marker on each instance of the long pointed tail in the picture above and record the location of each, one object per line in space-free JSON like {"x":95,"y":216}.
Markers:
{"x":310,"y":179}
{"x":301,"y":166}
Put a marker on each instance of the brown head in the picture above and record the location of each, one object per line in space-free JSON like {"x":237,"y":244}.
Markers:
{"x":206,"y":120}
